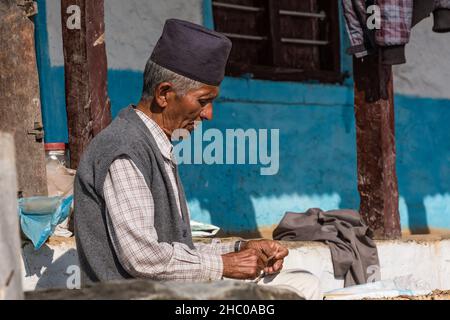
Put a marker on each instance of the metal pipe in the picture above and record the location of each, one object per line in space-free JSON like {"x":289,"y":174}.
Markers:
{"x":321,"y":15}
{"x":305,"y":41}
{"x":244,"y":36}
{"x":236,"y":6}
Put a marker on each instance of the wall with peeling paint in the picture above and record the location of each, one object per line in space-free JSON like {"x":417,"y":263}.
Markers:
{"x":316,"y":122}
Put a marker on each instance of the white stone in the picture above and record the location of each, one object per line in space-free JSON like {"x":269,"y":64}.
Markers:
{"x":427,"y":260}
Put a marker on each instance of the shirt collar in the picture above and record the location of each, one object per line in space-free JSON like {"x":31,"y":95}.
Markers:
{"x":163,"y":142}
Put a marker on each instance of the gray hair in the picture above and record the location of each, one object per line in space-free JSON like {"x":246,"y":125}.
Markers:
{"x":155,"y":74}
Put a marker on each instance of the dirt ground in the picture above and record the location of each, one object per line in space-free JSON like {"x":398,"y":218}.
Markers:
{"x":436,"y":295}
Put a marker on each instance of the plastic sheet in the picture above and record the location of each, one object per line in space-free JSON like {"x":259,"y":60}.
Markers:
{"x":39,"y":216}
{"x":203,"y":230}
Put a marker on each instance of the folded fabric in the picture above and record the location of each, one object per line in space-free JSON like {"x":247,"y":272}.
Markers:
{"x":39,"y":217}
{"x":354,"y":253}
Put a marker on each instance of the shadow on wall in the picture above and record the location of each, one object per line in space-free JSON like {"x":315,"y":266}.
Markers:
{"x":238,"y":198}
{"x":317,"y":161}
{"x":423,"y":162}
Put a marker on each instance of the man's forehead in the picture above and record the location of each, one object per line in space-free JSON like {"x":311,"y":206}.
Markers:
{"x":208,"y":91}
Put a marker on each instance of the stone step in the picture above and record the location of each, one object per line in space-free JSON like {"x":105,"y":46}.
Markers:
{"x":427,"y":258}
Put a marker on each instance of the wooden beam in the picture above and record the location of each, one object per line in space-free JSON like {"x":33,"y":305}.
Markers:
{"x":10,"y":263}
{"x":87,"y":102}
{"x":274,"y":32}
{"x":20,"y":105}
{"x":375,"y":130}
{"x":330,"y":56}
{"x":284,"y":74}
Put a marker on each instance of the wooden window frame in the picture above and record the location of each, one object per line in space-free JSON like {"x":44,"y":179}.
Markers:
{"x":329,"y":54}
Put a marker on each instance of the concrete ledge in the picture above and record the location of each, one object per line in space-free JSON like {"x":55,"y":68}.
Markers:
{"x":427,"y":258}
{"x":151,"y":290}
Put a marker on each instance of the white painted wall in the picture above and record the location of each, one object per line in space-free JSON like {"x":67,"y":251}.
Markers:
{"x":134,"y":26}
{"x":425,"y":260}
{"x":427,"y":71}
{"x":54,"y":30}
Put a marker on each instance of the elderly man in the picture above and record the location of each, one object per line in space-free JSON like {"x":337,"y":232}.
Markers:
{"x":131,"y":215}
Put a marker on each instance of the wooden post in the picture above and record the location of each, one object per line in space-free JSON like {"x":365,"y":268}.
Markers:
{"x":274,"y":32}
{"x":10,"y":264}
{"x":20,"y":108}
{"x":87,"y":102}
{"x":375,"y":131}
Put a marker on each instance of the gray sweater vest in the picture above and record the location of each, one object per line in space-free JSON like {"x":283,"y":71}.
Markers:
{"x":126,"y":136}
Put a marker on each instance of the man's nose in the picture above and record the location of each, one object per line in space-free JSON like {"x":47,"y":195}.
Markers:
{"x":207,"y":113}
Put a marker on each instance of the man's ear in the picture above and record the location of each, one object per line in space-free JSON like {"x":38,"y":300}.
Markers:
{"x":162,"y":91}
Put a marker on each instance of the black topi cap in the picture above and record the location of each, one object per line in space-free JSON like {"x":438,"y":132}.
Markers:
{"x":192,"y":51}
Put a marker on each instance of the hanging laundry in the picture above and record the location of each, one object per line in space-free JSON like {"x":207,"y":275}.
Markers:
{"x":441,"y":13}
{"x":395,"y":29}
{"x":397,"y":17}
{"x":361,"y":39}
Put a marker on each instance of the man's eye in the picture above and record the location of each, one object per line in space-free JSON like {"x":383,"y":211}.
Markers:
{"x":203,"y":102}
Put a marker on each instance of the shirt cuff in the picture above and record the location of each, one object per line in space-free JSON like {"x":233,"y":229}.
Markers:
{"x":227,"y":247}
{"x":441,"y":20}
{"x":216,"y":247}
{"x":211,"y":267}
{"x":393,"y":55}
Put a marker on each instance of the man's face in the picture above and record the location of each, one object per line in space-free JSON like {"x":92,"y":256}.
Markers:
{"x":182,"y":112}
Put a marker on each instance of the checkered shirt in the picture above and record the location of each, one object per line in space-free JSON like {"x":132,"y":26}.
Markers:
{"x":130,"y":221}
{"x":395,"y":24}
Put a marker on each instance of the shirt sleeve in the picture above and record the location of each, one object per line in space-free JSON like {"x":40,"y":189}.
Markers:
{"x":130,"y":221}
{"x":216,"y":247}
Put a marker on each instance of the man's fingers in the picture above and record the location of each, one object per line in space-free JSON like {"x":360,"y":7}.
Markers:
{"x":256,"y":256}
{"x":269,"y":270}
{"x":278,"y":265}
{"x":262,"y":258}
{"x":275,"y":249}
{"x":249,"y":264}
{"x":262,"y":262}
{"x":282,"y":252}
{"x":268,"y":252}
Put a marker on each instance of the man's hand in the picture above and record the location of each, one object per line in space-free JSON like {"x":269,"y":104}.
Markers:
{"x":272,"y":250}
{"x":244,"y":265}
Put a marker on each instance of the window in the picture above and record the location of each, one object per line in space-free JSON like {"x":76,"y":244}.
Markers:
{"x":291,"y":40}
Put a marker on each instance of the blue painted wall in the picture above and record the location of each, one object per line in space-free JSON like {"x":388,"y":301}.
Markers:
{"x":51,"y":81}
{"x":317,"y":147}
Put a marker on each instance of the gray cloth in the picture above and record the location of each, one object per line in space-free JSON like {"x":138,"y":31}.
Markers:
{"x":353,"y":252}
{"x":126,"y":136}
{"x":192,"y":51}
